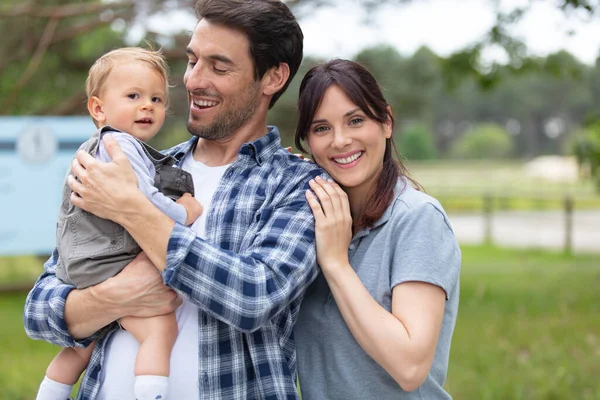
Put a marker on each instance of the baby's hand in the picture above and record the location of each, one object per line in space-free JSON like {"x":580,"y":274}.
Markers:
{"x":192,"y":207}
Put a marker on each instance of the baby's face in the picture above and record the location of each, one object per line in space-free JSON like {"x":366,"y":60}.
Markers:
{"x":133,"y":100}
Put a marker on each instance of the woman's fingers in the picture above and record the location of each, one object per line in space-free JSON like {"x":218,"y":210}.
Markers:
{"x":323,"y":195}
{"x":314,"y":205}
{"x":331,"y":188}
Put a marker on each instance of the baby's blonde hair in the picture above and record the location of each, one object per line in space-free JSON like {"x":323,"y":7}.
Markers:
{"x":100,"y":70}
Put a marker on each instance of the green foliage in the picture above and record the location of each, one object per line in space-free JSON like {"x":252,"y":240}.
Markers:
{"x":587,"y":150}
{"x":484,"y":141}
{"x":416,"y":143}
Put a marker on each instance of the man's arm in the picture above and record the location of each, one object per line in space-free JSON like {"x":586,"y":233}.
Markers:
{"x":247,"y":290}
{"x":60,"y":314}
{"x":243,"y":290}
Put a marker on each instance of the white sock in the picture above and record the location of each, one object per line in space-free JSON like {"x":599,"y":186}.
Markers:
{"x":151,"y":387}
{"x":52,"y":390}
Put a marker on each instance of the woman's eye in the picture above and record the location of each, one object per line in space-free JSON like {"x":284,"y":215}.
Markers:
{"x":356,"y":120}
{"x":319,"y":129}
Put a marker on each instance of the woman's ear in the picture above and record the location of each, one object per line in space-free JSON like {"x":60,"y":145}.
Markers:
{"x":275,"y":78}
{"x":387,"y":126}
{"x":95,"y":109}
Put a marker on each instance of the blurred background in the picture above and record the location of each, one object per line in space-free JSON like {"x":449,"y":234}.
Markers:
{"x":496,"y":104}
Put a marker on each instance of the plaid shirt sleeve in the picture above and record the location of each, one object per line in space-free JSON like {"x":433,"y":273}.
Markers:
{"x":245,"y":290}
{"x":44,"y":316}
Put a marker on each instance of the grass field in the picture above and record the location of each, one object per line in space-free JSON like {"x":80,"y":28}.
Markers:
{"x":528,"y":329}
{"x":461,"y":185}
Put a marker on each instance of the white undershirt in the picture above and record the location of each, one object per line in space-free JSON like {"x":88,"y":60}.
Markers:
{"x":117,"y":376}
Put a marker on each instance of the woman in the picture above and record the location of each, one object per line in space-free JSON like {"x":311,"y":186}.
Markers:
{"x":377,"y":324}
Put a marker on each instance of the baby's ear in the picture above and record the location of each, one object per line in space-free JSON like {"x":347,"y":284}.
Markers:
{"x":95,"y":109}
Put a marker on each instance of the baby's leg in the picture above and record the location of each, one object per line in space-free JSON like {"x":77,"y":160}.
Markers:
{"x":64,"y":371}
{"x":156,"y":336}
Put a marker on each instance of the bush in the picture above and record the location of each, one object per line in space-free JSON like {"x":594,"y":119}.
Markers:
{"x":587,"y":150}
{"x":483,"y":141}
{"x":416,"y":143}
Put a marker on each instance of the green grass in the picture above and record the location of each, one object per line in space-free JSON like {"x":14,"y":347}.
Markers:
{"x":528,"y":329}
{"x":528,"y":326}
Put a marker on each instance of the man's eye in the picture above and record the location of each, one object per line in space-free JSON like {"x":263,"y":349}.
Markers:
{"x":219,"y":71}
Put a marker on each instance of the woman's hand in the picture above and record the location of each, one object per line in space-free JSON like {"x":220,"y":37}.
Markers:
{"x":104,"y":189}
{"x":333,"y":223}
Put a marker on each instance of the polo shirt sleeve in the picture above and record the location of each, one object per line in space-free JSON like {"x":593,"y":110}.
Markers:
{"x":426,"y":249}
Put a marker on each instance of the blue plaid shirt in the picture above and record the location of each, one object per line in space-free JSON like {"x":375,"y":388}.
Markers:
{"x":247,"y":278}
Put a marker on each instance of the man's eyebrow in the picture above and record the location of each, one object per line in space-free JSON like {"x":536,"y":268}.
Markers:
{"x":215,"y":57}
{"x":221,"y":58}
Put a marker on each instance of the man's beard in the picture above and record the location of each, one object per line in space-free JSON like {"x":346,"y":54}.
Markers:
{"x":230,"y":120}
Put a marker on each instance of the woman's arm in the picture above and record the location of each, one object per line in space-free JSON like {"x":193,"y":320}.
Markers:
{"x":403,"y":342}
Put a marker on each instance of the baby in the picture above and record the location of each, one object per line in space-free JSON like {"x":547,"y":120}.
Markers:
{"x":128,"y":95}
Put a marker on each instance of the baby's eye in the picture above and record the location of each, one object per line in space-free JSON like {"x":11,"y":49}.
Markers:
{"x":133,"y":96}
{"x":156,"y":100}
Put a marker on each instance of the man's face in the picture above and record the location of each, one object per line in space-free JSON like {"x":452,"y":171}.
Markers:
{"x":219,"y":79}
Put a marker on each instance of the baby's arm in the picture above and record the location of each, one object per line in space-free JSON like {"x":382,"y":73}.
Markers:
{"x":142,"y":166}
{"x":192,"y":207}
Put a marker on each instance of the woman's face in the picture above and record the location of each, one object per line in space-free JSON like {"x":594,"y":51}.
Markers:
{"x":348,"y":144}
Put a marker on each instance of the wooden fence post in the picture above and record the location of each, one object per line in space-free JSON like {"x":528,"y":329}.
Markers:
{"x":568,"y":246}
{"x":487,"y":218}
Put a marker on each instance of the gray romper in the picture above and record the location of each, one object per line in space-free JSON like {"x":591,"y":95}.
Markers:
{"x":92,"y":249}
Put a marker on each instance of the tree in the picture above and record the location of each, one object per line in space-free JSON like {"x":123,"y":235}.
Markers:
{"x":484,"y":141}
{"x":587,"y":151}
{"x":416,"y":143}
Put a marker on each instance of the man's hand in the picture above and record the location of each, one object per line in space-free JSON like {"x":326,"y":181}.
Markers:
{"x":104,"y":189}
{"x":192,"y":207}
{"x":138,"y":290}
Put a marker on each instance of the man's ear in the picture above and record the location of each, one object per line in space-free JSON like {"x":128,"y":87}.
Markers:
{"x":95,"y":109}
{"x":275,"y":78}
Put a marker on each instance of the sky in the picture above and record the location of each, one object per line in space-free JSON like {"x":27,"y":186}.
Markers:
{"x":444,"y":26}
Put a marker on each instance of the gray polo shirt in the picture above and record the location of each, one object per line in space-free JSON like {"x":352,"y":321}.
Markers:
{"x":413,"y":241}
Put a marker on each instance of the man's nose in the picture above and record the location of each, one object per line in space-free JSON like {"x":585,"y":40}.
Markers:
{"x":196,"y":78}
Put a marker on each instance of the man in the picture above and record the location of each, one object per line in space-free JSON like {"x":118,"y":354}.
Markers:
{"x":243,"y":267}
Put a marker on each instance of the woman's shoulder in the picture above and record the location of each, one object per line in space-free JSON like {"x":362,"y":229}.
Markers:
{"x":407,"y":199}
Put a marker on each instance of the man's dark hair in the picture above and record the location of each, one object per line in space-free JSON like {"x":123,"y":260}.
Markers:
{"x":271,"y":28}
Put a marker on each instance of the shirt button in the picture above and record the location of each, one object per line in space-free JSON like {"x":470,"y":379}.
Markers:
{"x":352,"y":247}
